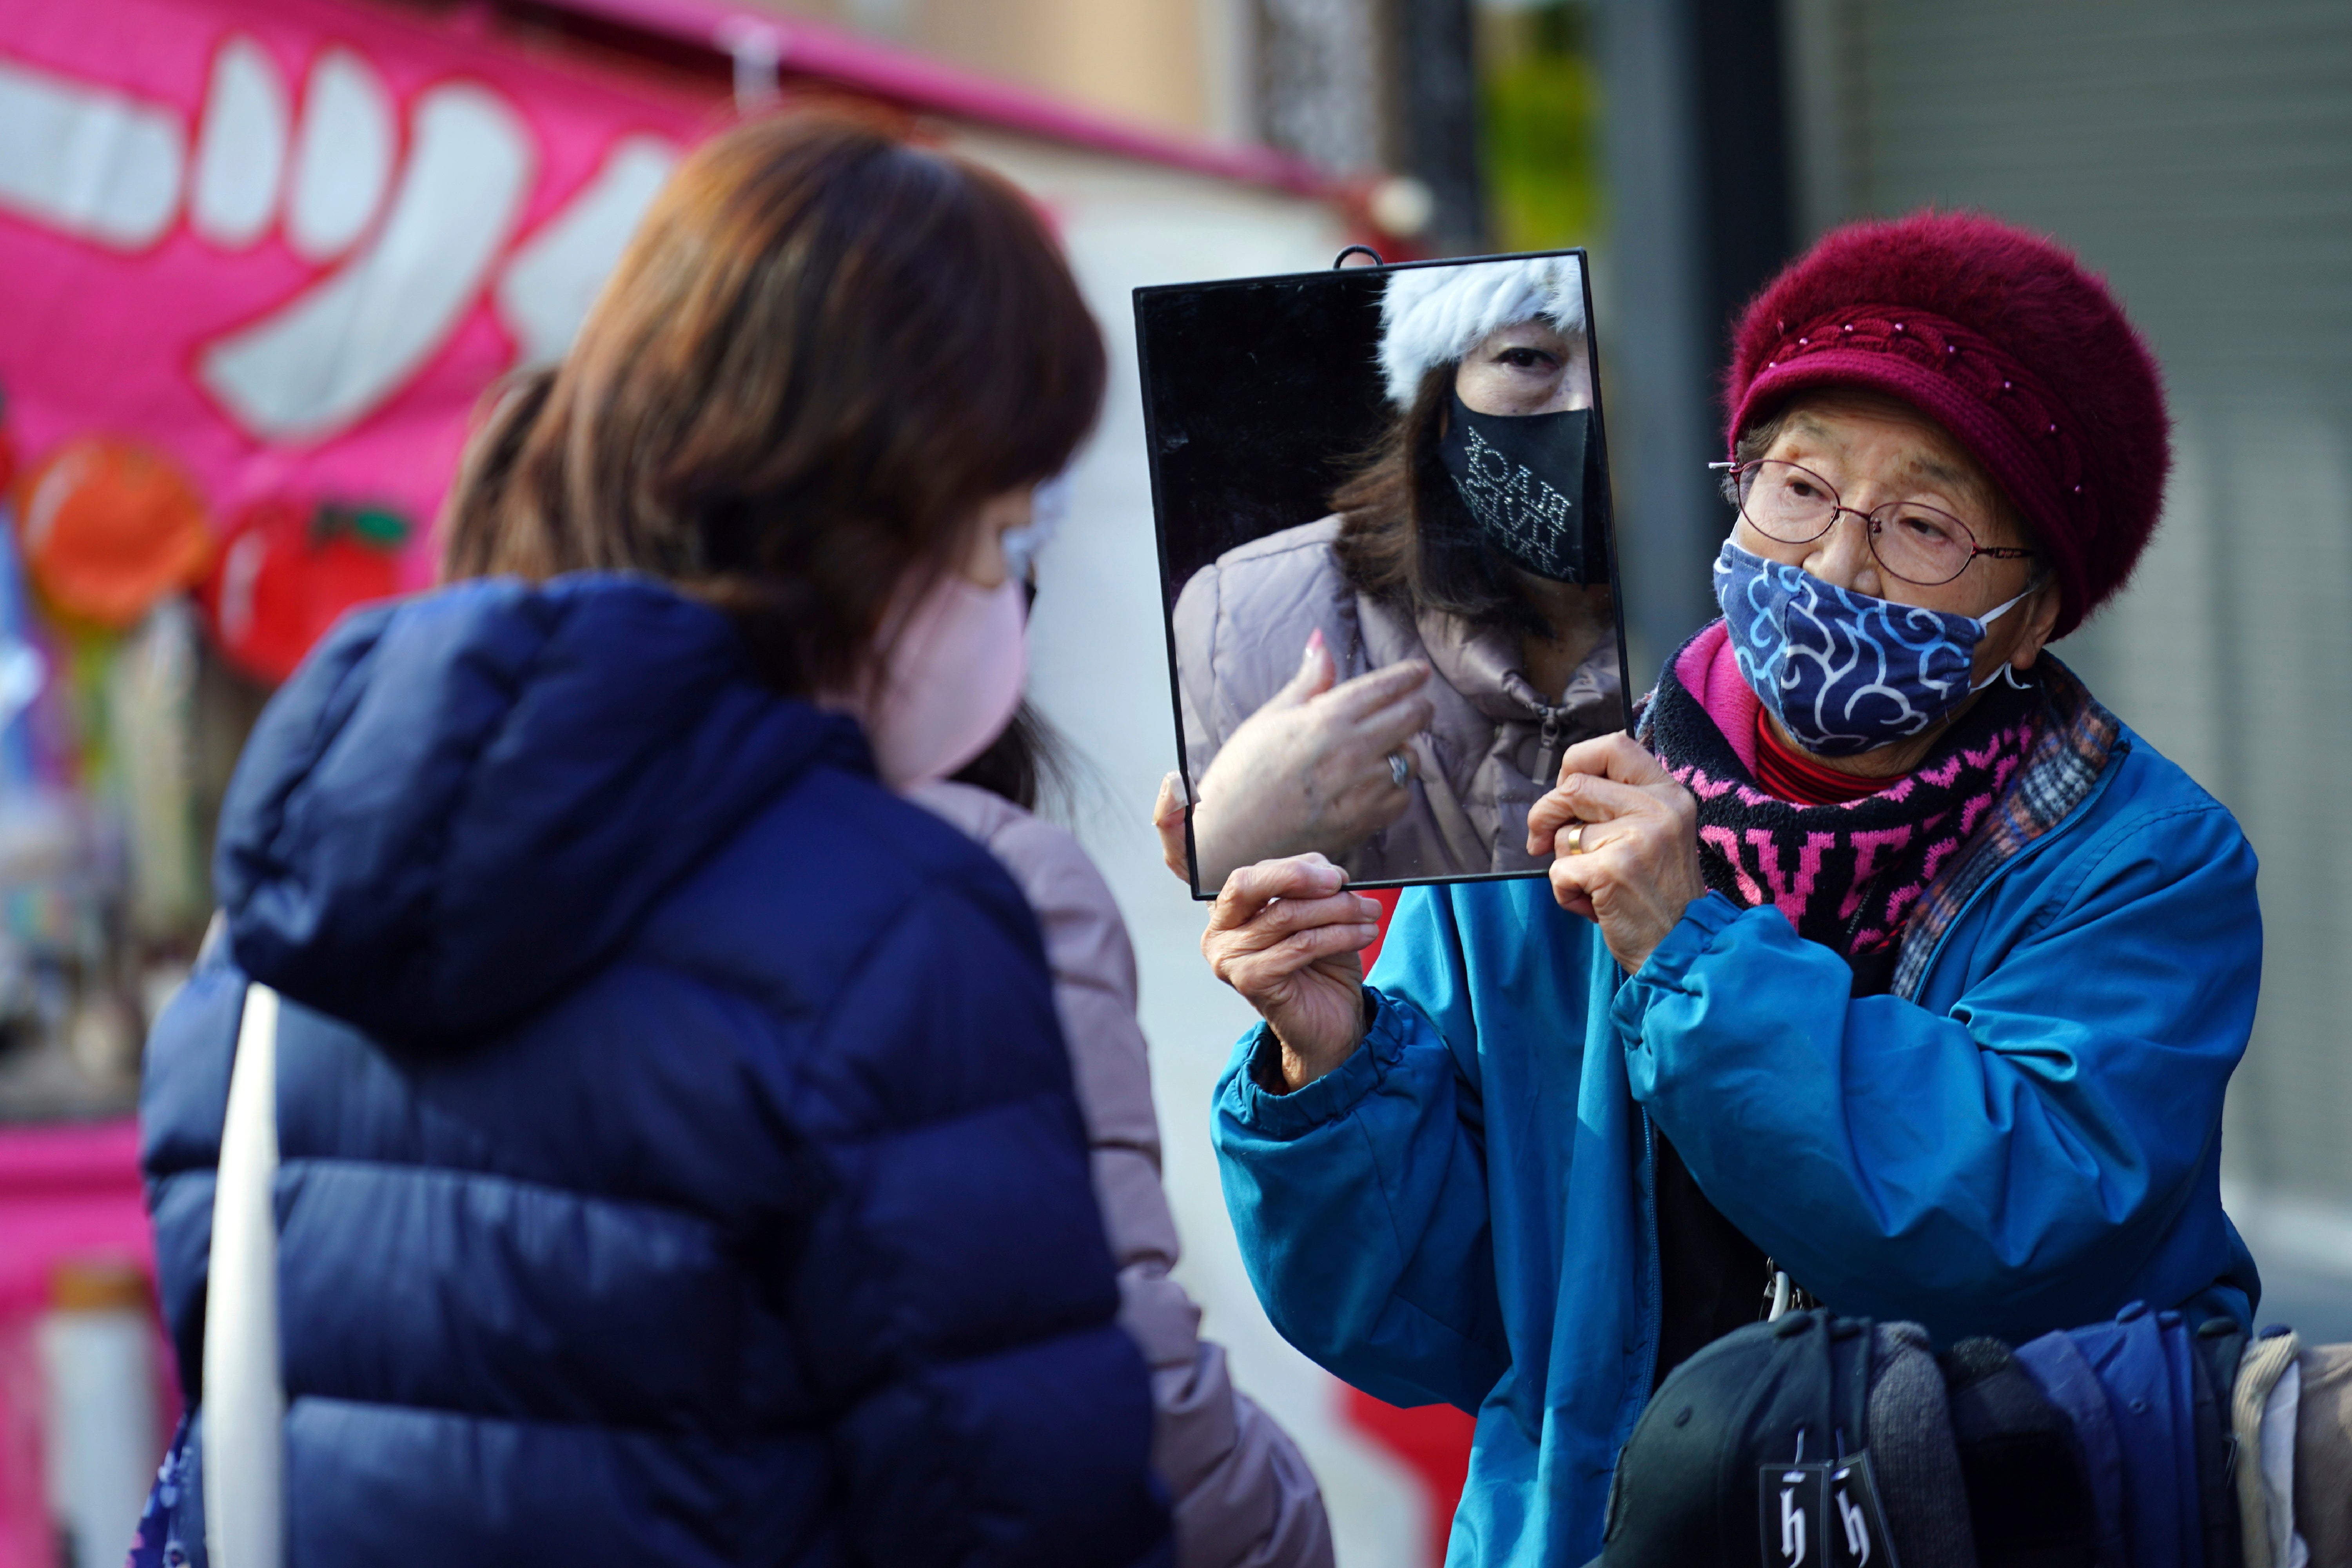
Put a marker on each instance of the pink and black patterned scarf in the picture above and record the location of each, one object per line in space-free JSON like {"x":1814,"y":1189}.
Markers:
{"x":1849,"y":876}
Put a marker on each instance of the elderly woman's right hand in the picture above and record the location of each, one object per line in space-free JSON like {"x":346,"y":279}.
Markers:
{"x":1285,"y":933}
{"x":1307,"y":772}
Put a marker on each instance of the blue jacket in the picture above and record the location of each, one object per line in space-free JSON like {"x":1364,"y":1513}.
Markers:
{"x":1463,"y":1212}
{"x":679,"y":1162}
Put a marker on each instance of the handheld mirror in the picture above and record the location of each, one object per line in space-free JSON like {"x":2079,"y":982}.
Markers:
{"x":1392,"y":465}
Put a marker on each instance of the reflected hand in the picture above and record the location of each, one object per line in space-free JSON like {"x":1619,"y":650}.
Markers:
{"x":1638,"y":866}
{"x":1286,"y":934}
{"x":1306,"y":773}
{"x":1168,"y":818}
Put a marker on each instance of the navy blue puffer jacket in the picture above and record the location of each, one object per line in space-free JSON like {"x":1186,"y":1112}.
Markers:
{"x":679,"y":1162}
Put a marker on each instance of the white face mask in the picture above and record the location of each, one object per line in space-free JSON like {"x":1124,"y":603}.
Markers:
{"x":952,"y":682}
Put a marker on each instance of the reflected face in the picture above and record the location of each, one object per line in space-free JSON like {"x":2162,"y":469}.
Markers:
{"x":1528,"y":367}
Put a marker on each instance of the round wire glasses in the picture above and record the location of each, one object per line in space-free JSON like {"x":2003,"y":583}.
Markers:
{"x":1921,"y":545}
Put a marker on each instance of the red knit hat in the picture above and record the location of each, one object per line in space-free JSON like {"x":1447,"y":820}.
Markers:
{"x":2003,"y":340}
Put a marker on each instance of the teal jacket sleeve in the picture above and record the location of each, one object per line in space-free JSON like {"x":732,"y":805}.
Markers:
{"x":2032,"y":1152}
{"x":1359,"y":1201}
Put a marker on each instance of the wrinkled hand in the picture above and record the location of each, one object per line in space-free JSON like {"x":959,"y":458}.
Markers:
{"x":1286,"y":934}
{"x":1307,"y":772}
{"x":1639,"y":866}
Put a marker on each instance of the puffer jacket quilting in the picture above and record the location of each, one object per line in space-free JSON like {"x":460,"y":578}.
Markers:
{"x":706,"y":1185}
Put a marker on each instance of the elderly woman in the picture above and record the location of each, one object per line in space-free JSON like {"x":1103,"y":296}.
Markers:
{"x":1905,"y":963}
{"x":1473,"y":542}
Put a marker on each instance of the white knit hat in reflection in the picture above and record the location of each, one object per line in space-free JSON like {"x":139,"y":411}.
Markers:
{"x":1433,"y":315}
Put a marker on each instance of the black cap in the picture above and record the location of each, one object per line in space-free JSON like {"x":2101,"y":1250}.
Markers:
{"x":1753,"y":1441}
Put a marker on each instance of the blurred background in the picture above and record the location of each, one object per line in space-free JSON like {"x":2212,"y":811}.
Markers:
{"x":258,"y":258}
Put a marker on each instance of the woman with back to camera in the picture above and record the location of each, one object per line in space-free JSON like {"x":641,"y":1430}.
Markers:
{"x":1473,"y":543}
{"x":1881,"y":951}
{"x":680,"y":1157}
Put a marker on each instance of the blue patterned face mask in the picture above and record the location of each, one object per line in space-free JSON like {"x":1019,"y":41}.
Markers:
{"x":1844,"y":672}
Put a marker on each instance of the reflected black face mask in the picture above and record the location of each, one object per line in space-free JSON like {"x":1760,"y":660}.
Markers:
{"x":1523,"y":479}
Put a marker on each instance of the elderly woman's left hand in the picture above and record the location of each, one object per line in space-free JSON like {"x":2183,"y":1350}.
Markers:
{"x":1634,"y":865}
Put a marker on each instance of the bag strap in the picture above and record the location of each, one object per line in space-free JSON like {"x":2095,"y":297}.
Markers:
{"x":243,"y":1395}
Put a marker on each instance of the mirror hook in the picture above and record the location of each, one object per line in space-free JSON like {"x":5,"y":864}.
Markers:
{"x":1340,"y":260}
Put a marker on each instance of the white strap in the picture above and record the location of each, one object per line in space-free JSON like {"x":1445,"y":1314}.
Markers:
{"x":244,"y":1398}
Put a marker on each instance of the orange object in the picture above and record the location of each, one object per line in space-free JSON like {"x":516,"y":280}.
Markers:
{"x":110,"y":527}
{"x":99,"y":1285}
{"x":287,"y":570}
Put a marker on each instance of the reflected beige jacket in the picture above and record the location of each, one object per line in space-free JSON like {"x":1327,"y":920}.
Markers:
{"x":1493,"y":749}
{"x":1243,"y":1497}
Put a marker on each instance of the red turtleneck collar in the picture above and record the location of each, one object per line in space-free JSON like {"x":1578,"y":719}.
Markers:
{"x":1792,"y":775}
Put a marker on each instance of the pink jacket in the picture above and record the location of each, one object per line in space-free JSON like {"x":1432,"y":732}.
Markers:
{"x":1243,"y":1497}
{"x":1490,"y":752}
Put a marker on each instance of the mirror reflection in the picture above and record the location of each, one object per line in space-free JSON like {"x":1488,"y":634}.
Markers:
{"x":1384,"y":505}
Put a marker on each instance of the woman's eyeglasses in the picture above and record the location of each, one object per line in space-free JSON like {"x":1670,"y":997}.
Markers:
{"x":1794,"y":505}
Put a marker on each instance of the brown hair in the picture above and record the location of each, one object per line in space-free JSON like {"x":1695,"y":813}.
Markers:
{"x":822,"y":351}
{"x":1404,"y":535}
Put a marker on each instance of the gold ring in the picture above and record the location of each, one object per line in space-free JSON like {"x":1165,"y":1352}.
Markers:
{"x":1575,"y":840}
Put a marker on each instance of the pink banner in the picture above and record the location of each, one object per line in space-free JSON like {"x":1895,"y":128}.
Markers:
{"x":258,"y":261}
{"x":287,"y":243}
